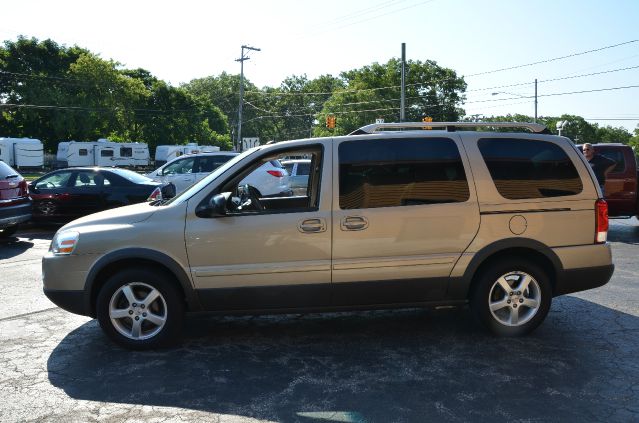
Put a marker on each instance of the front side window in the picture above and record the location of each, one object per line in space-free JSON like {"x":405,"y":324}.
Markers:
{"x":179,"y":167}
{"x":57,"y":180}
{"x":83,"y":152}
{"x":265,"y":186}
{"x":525,"y":168}
{"x":106,"y":153}
{"x":400,"y":172}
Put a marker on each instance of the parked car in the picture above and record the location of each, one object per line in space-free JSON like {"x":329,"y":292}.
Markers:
{"x":270,"y":180}
{"x":185,"y":170}
{"x":393,"y":216}
{"x":298,"y":171}
{"x":621,"y":182}
{"x":67,"y":194}
{"x":15,"y":204}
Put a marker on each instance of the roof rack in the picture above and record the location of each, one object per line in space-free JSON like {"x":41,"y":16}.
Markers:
{"x":536,"y":128}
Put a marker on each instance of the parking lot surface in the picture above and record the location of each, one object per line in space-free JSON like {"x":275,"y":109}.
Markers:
{"x":383,"y":366}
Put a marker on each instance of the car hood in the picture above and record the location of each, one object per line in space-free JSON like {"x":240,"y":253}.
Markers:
{"x":118,"y":216}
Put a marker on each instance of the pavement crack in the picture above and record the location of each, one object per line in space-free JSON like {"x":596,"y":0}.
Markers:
{"x":27,"y":314}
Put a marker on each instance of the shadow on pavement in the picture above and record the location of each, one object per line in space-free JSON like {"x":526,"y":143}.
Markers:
{"x":408,"y":365}
{"x":13,"y":246}
{"x":625,"y":231}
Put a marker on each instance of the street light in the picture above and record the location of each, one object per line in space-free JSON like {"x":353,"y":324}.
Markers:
{"x":522,"y":96}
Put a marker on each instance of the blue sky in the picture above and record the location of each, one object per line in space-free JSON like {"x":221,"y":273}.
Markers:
{"x":179,"y":41}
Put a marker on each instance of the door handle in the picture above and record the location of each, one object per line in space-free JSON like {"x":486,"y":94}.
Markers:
{"x":312,"y":226}
{"x":354,"y":223}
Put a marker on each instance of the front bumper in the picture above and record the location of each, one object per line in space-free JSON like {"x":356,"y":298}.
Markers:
{"x":64,"y":279}
{"x":72,"y":301}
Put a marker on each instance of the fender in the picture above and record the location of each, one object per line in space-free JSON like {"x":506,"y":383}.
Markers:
{"x":144,"y":254}
{"x":459,"y":287}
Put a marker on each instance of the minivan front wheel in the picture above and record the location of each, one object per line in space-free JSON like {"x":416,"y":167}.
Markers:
{"x":140,"y":309}
{"x":512,"y":297}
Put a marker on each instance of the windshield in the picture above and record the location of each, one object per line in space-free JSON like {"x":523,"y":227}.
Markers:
{"x":134,"y":177}
{"x":213,"y":175}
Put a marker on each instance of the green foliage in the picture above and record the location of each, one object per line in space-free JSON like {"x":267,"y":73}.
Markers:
{"x":373,"y":92}
{"x":577,"y":128}
{"x":85,"y":98}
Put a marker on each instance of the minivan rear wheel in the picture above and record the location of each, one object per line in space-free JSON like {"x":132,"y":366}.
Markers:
{"x":140,"y":309}
{"x":512,"y":297}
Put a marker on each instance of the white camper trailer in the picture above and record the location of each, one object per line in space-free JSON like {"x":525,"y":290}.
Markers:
{"x":165,"y":153}
{"x":22,"y":152}
{"x":103,"y":153}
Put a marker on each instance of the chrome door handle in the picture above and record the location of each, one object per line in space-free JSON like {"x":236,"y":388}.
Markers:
{"x":312,"y":226}
{"x":354,"y":223}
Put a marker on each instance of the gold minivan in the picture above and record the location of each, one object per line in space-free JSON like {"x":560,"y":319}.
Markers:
{"x":392,"y":215}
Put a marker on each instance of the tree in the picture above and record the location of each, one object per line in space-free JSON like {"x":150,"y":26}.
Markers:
{"x":34,"y":77}
{"x":373,"y":92}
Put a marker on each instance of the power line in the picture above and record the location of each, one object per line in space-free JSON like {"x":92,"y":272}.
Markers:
{"x":553,"y":59}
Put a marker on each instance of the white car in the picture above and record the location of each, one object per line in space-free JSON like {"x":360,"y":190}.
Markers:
{"x":298,"y":171}
{"x":270,"y":179}
{"x":186,"y":170}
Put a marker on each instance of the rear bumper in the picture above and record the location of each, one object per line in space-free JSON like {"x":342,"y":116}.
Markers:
{"x":575,"y":280}
{"x":583,"y":267}
{"x":13,"y":215}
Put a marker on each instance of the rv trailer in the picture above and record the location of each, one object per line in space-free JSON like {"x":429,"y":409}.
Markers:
{"x":165,"y":153}
{"x":22,"y":152}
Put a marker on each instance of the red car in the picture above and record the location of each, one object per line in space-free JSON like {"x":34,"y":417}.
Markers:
{"x":15,"y":204}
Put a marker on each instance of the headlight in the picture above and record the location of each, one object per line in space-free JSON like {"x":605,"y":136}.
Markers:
{"x":64,"y":243}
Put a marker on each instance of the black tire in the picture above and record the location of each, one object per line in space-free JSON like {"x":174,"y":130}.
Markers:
{"x":169,"y":305}
{"x":513,"y":308}
{"x":8,"y":231}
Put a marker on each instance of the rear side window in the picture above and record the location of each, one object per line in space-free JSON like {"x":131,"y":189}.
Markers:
{"x":83,"y":152}
{"x":524,"y":168}
{"x":400,"y":172}
{"x":106,"y":153}
{"x":126,"y":152}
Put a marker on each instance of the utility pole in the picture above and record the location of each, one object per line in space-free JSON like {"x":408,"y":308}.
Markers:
{"x":535,"y":100}
{"x":402,"y":110}
{"x":242,"y":58}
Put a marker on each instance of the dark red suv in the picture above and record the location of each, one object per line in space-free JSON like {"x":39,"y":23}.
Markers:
{"x":15,"y":204}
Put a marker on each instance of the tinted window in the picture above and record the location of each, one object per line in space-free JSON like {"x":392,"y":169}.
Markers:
{"x":106,"y":153}
{"x":303,"y":168}
{"x":6,"y":170}
{"x":129,"y":175}
{"x":83,"y":152}
{"x":210,"y":163}
{"x":618,"y":157}
{"x":126,"y":152}
{"x":400,"y":172}
{"x":523,"y":168}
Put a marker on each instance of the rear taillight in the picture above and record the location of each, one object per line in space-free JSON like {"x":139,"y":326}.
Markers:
{"x":155,"y":195}
{"x":24,"y":188}
{"x":276,"y":173}
{"x":601,"y":221}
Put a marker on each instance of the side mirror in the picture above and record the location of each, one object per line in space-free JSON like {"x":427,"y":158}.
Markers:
{"x":32,"y":187}
{"x":168,"y":191}
{"x":216,"y":207}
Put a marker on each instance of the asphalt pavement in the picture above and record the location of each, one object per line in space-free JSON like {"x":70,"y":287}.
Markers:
{"x":582,"y":364}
